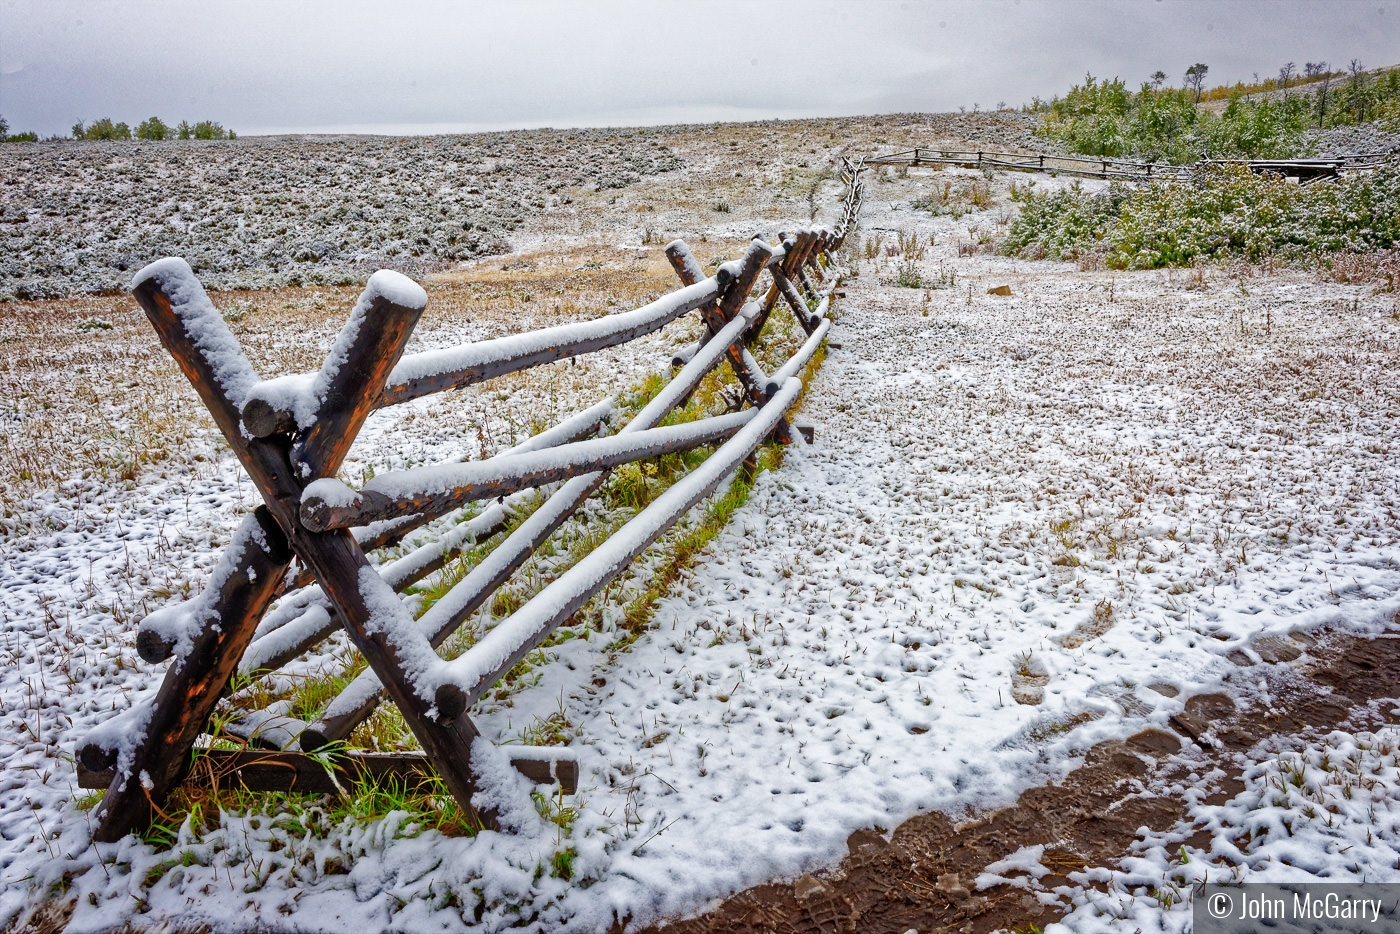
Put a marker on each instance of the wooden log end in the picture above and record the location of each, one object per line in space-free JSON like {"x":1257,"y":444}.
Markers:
{"x":451,"y":702}
{"x":96,"y":758}
{"x":153,"y":647}
{"x":313,"y":740}
{"x":325,"y":503}
{"x":262,"y":419}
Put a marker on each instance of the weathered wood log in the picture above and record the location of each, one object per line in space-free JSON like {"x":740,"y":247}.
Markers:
{"x":220,"y":618}
{"x":318,"y":406}
{"x":265,"y":770}
{"x":242,"y":586}
{"x":311,"y":626}
{"x":436,"y":370}
{"x":770,"y":299}
{"x":306,"y":624}
{"x":330,"y":504}
{"x":746,"y":368}
{"x":814,"y":259}
{"x":806,"y":247}
{"x":797,"y":361}
{"x":683,"y":356}
{"x":795,"y":302}
{"x":389,"y":532}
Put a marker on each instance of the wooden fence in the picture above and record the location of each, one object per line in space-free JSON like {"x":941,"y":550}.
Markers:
{"x":305,"y":549}
{"x":1124,"y":169}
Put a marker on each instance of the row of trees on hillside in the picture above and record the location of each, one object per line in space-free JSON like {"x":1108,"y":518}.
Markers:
{"x":151,"y":128}
{"x":1168,"y":124}
{"x":7,"y":137}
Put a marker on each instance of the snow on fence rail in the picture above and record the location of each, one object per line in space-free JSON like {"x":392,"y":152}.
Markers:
{"x":305,"y":549}
{"x":1102,"y":167}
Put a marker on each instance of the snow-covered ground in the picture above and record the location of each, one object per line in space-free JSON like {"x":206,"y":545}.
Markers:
{"x":1323,"y":809}
{"x":1028,"y":524}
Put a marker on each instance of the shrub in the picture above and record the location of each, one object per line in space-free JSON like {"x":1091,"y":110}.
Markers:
{"x":1065,"y":224}
{"x":1229,"y":212}
{"x":7,"y":137}
{"x":956,"y":197}
{"x":907,"y":274}
{"x":1090,"y":118}
{"x":1162,"y":126}
{"x":1266,"y":129}
{"x":1223,"y":212}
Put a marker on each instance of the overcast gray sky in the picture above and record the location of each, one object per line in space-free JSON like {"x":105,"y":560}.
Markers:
{"x":261,"y":66}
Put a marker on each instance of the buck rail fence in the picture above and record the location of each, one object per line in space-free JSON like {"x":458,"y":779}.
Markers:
{"x":1125,"y":169}
{"x":305,"y":548}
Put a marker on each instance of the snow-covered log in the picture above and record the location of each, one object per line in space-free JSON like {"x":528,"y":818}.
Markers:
{"x":330,"y":504}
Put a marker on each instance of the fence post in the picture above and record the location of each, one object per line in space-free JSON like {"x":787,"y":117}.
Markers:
{"x":736,"y":292}
{"x":246,"y":582}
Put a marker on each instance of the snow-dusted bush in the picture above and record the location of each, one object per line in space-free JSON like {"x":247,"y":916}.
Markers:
{"x":1223,"y":212}
{"x":1063,"y":224}
{"x":1229,"y":212}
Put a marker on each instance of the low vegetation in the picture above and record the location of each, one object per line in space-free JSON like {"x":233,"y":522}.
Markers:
{"x":1223,"y":212}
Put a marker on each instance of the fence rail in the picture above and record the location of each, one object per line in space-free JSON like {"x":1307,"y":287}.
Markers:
{"x":297,"y":569}
{"x":1125,"y":169}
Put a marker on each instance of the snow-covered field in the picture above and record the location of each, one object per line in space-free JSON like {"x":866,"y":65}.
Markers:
{"x":1028,"y":524}
{"x":262,"y":212}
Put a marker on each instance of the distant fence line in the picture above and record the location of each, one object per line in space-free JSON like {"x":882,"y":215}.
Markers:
{"x":1126,"y":169}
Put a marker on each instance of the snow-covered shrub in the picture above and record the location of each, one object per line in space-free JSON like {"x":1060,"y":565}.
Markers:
{"x":1223,"y":212}
{"x":1228,"y":212}
{"x":1064,"y":224}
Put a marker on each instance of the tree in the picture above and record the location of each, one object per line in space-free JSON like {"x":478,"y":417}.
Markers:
{"x":1285,"y":75}
{"x":101,"y":129}
{"x":1159,"y":78}
{"x":1160,"y":125}
{"x":1322,"y":72}
{"x":4,"y":128}
{"x":1357,"y":71}
{"x":1196,"y":79}
{"x":153,"y":128}
{"x":1090,"y":118}
{"x":184,"y":130}
{"x":209,"y":129}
